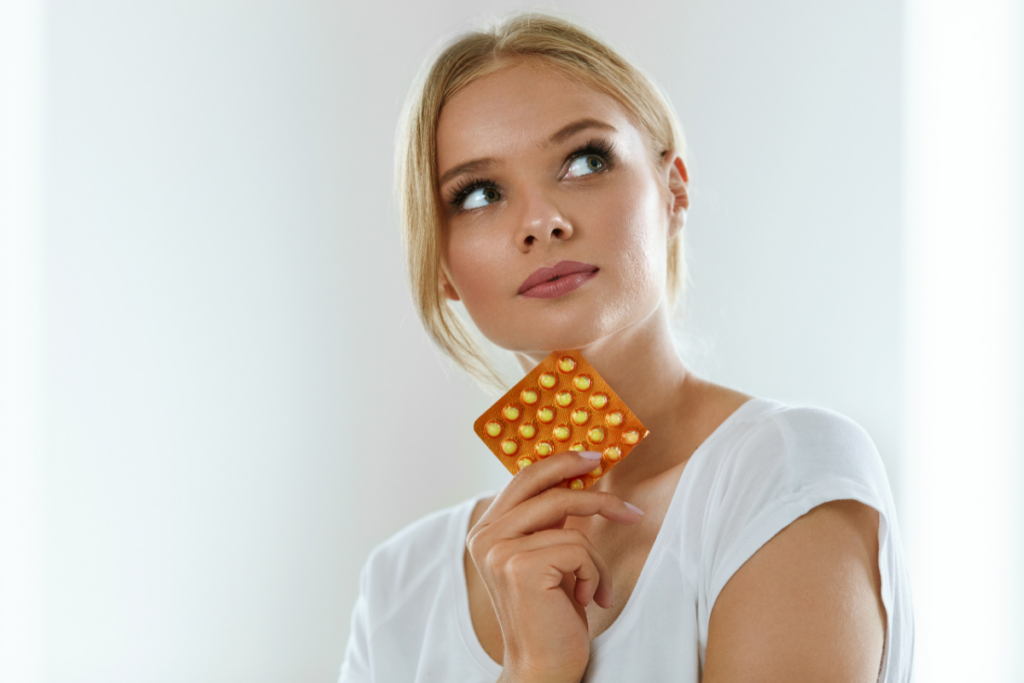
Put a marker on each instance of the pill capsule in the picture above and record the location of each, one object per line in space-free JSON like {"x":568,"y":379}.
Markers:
{"x":548,"y":380}
{"x":613,"y":419}
{"x":599,"y":401}
{"x":544,"y":448}
{"x":562,"y":432}
{"x":578,"y":446}
{"x":613,"y":453}
{"x":524,"y":462}
{"x":597,"y":472}
{"x":630,"y":437}
{"x":580,"y":416}
{"x":595,"y":435}
{"x":566,"y":364}
{"x":529,"y":396}
{"x":510,"y":413}
{"x":527,"y":430}
{"x":564,"y":398}
{"x":576,"y":484}
{"x":509,"y":447}
{"x":582,"y":382}
{"x":546,"y":414}
{"x":493,"y":429}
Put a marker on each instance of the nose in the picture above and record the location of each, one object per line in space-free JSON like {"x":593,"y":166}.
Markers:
{"x":540,"y":222}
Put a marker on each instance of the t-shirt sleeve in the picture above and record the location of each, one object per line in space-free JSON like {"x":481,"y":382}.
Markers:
{"x":787,"y":464}
{"x":355,"y":667}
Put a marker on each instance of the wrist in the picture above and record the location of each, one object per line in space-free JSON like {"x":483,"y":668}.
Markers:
{"x":518,"y":674}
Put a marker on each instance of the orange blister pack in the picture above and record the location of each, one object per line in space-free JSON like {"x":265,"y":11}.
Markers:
{"x":562,"y":404}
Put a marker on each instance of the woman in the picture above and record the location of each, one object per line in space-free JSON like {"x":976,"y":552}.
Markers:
{"x":544,"y":186}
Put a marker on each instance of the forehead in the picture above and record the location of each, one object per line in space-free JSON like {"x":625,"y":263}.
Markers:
{"x":516,"y":109}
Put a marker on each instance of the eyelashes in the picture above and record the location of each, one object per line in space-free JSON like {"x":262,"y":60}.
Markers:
{"x":457,"y":195}
{"x":597,"y":147}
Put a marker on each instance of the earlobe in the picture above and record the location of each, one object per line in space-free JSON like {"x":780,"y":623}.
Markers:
{"x":447,"y":291}
{"x":678,"y":180}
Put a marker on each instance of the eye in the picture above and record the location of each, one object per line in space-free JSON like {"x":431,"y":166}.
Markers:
{"x":481,"y":196}
{"x":584,"y":165}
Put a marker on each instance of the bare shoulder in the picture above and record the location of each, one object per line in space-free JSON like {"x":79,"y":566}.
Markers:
{"x":806,"y":606}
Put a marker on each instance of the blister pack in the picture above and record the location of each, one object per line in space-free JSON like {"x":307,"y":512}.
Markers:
{"x":562,"y":404}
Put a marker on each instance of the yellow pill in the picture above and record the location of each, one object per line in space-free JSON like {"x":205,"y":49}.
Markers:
{"x":510,"y":413}
{"x":509,"y":447}
{"x":529,"y":396}
{"x":580,"y":416}
{"x":566,"y":364}
{"x":548,"y":381}
{"x":599,"y":401}
{"x":613,"y":419}
{"x":577,"y":447}
{"x":597,"y":472}
{"x":493,"y":429}
{"x":546,"y":415}
{"x":544,"y":449}
{"x":630,"y":437}
{"x":564,"y":398}
{"x":527,"y":430}
{"x":595,"y":435}
{"x":524,"y":462}
{"x":613,"y":453}
{"x":562,"y":432}
{"x":582,"y":382}
{"x":576,"y":484}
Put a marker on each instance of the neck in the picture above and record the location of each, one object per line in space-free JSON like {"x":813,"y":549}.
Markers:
{"x":643,"y":367}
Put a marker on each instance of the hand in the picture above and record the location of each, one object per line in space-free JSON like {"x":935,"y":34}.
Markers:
{"x":541,"y":576}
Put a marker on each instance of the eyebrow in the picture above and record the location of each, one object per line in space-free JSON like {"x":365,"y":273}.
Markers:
{"x":563,"y":134}
{"x":576,"y":126}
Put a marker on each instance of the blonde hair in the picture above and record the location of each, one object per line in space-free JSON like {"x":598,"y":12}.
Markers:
{"x":563,"y":45}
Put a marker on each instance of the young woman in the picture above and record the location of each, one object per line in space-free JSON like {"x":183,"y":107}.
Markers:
{"x":544,"y":185}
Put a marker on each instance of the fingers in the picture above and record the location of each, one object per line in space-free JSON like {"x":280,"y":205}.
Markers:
{"x":539,"y":477}
{"x":593,"y":578}
{"x":555,"y":561}
{"x":550,"y":508}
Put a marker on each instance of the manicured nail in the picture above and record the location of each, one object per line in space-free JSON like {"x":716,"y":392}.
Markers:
{"x":634,"y":508}
{"x":590,"y":455}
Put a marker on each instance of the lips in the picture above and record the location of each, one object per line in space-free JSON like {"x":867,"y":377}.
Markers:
{"x":560,"y":270}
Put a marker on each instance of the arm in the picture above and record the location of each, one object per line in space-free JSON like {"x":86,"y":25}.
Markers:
{"x":806,"y":606}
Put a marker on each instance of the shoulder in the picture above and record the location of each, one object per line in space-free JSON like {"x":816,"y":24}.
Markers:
{"x":416,"y":554}
{"x":820,"y":434}
{"x":776,"y":464}
{"x":783,"y":450}
{"x":792,"y":540}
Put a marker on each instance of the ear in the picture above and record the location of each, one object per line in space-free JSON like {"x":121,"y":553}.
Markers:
{"x":447,"y":291}
{"x":678,"y":180}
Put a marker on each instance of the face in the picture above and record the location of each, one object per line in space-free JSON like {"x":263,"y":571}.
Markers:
{"x":557,"y":212}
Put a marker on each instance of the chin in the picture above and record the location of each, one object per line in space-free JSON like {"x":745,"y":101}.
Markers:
{"x":543,"y":338}
{"x":584,"y":322}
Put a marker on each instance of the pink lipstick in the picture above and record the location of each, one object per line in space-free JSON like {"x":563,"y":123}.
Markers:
{"x":562,"y":278}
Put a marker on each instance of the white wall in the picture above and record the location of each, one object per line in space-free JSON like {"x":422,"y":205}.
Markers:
{"x":964,"y":294}
{"x":240,"y":400}
{"x":21,"y":359}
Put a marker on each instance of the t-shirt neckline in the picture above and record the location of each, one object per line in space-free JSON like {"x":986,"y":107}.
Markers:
{"x":465,"y":620}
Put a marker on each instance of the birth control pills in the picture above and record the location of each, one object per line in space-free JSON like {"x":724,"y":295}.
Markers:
{"x":561,"y":405}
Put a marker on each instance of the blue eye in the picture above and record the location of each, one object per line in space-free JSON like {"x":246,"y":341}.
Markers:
{"x":585,"y":165}
{"x":481,"y":196}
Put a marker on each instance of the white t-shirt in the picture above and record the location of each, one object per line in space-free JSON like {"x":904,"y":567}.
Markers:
{"x":764,"y":467}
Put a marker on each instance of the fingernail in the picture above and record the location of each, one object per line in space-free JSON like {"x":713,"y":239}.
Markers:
{"x":590,"y":455}
{"x":634,"y":508}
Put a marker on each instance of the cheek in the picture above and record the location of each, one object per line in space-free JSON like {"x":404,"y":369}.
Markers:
{"x":475,"y":264}
{"x":640,"y":235}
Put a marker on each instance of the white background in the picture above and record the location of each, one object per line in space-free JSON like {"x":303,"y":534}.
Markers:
{"x":238,"y":399}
